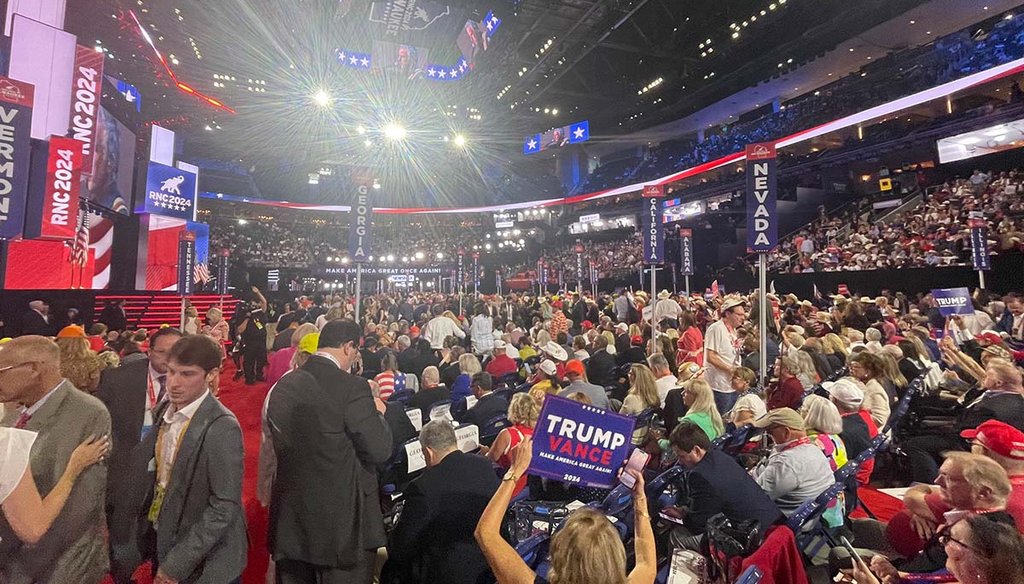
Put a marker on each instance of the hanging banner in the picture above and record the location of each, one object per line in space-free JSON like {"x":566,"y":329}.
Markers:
{"x":63,"y":179}
{"x":170,"y":192}
{"x":653,"y":227}
{"x":15,"y":143}
{"x":952,"y":301}
{"x":579,"y":444}
{"x":762,"y":218}
{"x":686,"y":251}
{"x":222,"y":272}
{"x":359,"y":233}
{"x":979,"y":244}
{"x":544,"y":275}
{"x":86,"y":91}
{"x":186,"y":262}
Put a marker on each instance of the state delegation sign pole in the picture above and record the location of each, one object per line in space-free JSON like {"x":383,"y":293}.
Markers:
{"x":762,"y":230}
{"x":653,"y":233}
{"x":359,"y":240}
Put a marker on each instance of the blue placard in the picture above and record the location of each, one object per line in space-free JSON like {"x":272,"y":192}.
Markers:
{"x":653,"y":231}
{"x":15,"y":130}
{"x":762,"y":219}
{"x":979,"y":248}
{"x":359,"y":232}
{"x":952,"y":301}
{"x":580,"y":444}
{"x":532,"y":144}
{"x":170,"y":192}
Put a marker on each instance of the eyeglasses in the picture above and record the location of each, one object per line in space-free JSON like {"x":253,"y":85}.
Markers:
{"x":945,"y":538}
{"x":9,"y":367}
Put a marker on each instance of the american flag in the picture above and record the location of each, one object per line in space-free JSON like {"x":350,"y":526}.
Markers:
{"x":80,"y":247}
{"x":201,"y":273}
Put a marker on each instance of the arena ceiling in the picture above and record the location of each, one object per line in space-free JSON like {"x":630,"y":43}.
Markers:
{"x":290,"y":106}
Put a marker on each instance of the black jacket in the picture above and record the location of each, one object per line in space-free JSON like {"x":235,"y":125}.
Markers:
{"x":329,"y":440}
{"x":433,"y":540}
{"x":601,"y":369}
{"x":1005,"y":407}
{"x":718,"y":484}
{"x":486,"y":408}
{"x":424,"y":398}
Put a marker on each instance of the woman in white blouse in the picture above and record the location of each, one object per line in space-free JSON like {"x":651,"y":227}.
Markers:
{"x":30,"y":515}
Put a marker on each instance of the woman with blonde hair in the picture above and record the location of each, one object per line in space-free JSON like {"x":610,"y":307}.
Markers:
{"x":700,"y":401}
{"x":869,"y":369}
{"x":469,"y":366}
{"x":523,"y":412}
{"x":586,"y":550}
{"x":283,"y":360}
{"x":834,"y":348}
{"x":78,"y":363}
{"x":643,"y":395}
{"x":191,"y":324}
{"x":217,"y":328}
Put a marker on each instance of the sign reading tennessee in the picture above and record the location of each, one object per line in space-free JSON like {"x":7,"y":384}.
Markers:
{"x":170,"y":191}
{"x":579,"y":444}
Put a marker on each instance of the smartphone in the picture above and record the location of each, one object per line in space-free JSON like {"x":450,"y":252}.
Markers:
{"x":849,"y":547}
{"x":637,"y":461}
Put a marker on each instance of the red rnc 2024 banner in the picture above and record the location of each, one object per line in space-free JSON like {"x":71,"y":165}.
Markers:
{"x":86,"y":91}
{"x":63,"y":180}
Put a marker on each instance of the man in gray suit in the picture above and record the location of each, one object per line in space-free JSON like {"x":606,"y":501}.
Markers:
{"x":576,"y":373}
{"x":73,"y":550}
{"x":196,"y":504}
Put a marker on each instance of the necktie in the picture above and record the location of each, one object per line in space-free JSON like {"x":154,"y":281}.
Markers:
{"x":160,"y":381}
{"x":22,"y":420}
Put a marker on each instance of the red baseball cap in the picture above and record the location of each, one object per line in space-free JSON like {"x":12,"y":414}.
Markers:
{"x":636,"y":340}
{"x":999,"y":437}
{"x":990,"y":336}
{"x":574,"y":367}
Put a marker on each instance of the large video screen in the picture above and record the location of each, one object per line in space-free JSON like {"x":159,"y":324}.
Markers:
{"x":473,"y":41}
{"x":980,"y":142}
{"x":407,"y":61}
{"x":110,"y":185}
{"x":557,"y":137}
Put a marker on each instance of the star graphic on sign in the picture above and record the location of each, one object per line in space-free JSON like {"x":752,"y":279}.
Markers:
{"x":490,"y":25}
{"x":462,"y":67}
{"x":352,"y":59}
{"x":341,"y":55}
{"x":444,"y":73}
{"x":532,"y":144}
{"x":452,"y":73}
{"x":578,"y":132}
{"x":432,"y":72}
{"x":365,"y":62}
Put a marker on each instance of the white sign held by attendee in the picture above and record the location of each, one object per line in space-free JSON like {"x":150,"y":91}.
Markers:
{"x":414,"y":454}
{"x":416,"y":417}
{"x":468,"y":437}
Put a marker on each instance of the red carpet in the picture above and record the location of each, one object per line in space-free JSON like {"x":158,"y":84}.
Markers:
{"x":246,"y":401}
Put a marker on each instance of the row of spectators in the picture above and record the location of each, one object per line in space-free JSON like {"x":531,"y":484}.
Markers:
{"x":936,"y":233}
{"x":951,"y":57}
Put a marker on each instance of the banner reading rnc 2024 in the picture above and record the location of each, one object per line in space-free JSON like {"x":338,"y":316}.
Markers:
{"x":359,"y":232}
{"x":579,"y":444}
{"x":652,"y":226}
{"x":762,"y":218}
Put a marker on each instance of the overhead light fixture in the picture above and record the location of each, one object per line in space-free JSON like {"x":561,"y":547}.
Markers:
{"x":322,"y":98}
{"x":394,"y":131}
{"x":460,"y":140}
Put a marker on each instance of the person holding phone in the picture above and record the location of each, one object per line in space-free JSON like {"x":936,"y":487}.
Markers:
{"x":586,"y":549}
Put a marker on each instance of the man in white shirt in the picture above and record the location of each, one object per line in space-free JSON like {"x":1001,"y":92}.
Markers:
{"x":796,"y":470}
{"x":665,"y":381}
{"x":440,"y":328}
{"x":722,"y":352}
{"x":667,"y":311}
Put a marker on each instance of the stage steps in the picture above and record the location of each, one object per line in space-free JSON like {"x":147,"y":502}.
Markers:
{"x":151,"y":311}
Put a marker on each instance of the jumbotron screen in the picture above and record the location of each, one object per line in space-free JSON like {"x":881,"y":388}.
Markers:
{"x":557,"y":137}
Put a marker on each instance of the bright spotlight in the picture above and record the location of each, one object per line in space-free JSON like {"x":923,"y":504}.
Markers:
{"x":360,"y":130}
{"x":344,"y":260}
{"x":391,"y":257}
{"x":440,"y":256}
{"x":322,"y":98}
{"x":419,"y":255}
{"x":460,"y":140}
{"x":394,"y":132}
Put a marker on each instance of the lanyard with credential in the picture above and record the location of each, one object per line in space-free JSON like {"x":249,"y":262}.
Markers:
{"x":160,"y":488}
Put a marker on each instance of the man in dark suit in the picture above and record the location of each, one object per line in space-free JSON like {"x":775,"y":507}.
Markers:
{"x":431,"y":391}
{"x":488,"y":404}
{"x":38,"y":321}
{"x":433,"y":540}
{"x":329,"y":437}
{"x":601,"y":365}
{"x":114,"y":316}
{"x":133,"y":394}
{"x":196,"y":507}
{"x":40,"y":400}
{"x":715,"y":484}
